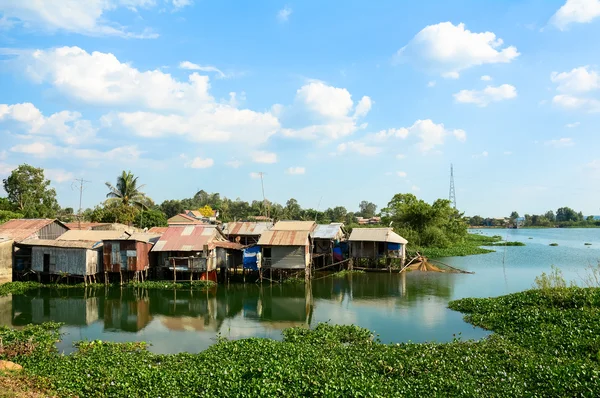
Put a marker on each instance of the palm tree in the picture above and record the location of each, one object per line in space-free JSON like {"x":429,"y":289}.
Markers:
{"x":127,"y":192}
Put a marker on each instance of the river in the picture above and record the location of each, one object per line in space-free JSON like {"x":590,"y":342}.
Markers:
{"x":397,"y":307}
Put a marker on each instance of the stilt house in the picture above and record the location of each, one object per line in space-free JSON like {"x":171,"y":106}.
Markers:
{"x":376,"y":243}
{"x":130,"y":254}
{"x":326,"y":239}
{"x":244,"y":232}
{"x":287,"y":245}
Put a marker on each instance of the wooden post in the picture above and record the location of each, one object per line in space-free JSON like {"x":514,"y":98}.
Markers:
{"x":105,"y":278}
{"x":121,"y":277}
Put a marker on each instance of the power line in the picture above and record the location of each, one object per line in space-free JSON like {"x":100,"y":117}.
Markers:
{"x":452,"y":196}
{"x":81,"y":183}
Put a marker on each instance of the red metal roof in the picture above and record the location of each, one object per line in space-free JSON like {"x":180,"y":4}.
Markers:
{"x":187,"y":238}
{"x":21,"y":229}
{"x":246,"y":228}
{"x":158,"y":230}
{"x":227,"y":245}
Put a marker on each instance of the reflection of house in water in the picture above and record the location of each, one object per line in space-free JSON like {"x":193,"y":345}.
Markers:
{"x":129,"y":312}
{"x":189,"y":310}
{"x":280,"y":308}
{"x":72,"y":311}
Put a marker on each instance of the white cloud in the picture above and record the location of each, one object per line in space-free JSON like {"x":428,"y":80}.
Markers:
{"x":329,"y":112}
{"x":560,"y":143}
{"x":255,"y":175}
{"x":576,"y":11}
{"x":295,"y":170}
{"x":401,"y":174}
{"x":359,"y":148}
{"x":508,"y":153}
{"x":400,"y":156}
{"x":449,"y":49}
{"x":182,"y":3}
{"x":44,"y":149}
{"x":202,"y":68}
{"x":431,"y":135}
{"x":78,"y":16}
{"x":415,"y":188}
{"x":486,"y":78}
{"x":58,"y":175}
{"x":200,"y":163}
{"x":431,"y":83}
{"x":284,"y":14}
{"x":489,"y":94}
{"x":234,"y":164}
{"x":383,"y":135}
{"x":572,"y":125}
{"x":67,"y":126}
{"x":483,"y":154}
{"x":571,"y":102}
{"x":264,"y":157}
{"x":578,"y":80}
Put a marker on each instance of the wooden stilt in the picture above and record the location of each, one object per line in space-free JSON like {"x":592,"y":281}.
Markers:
{"x":121,"y":277}
{"x":105,"y":278}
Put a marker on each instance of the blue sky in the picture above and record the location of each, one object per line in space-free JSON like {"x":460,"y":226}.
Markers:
{"x":336,"y":102}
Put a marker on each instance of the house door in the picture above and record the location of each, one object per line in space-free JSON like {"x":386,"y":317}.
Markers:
{"x":46,"y":263}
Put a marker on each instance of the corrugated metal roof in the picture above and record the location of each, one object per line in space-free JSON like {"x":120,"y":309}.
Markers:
{"x":140,"y":237}
{"x":84,"y":225}
{"x":294,"y":226}
{"x":246,"y":228}
{"x":284,"y":238}
{"x":182,"y":218}
{"x":67,"y":244}
{"x":92,"y":236}
{"x":228,"y":245}
{"x":5,"y":239}
{"x":186,"y":238}
{"x":376,"y":235}
{"x":23,"y":228}
{"x":328,"y":231}
{"x":158,"y":230}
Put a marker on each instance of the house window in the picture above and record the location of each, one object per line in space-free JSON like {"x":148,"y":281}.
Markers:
{"x":267,"y":252}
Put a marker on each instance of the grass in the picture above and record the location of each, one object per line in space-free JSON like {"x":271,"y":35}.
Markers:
{"x":471,"y":245}
{"x":22,"y":287}
{"x":546,"y":342}
{"x":553,"y":244}
{"x":345,"y":272}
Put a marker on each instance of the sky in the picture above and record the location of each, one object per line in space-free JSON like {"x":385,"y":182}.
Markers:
{"x":335,"y":102}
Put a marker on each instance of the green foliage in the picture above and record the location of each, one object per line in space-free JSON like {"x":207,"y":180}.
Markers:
{"x":169,"y":285}
{"x":428,"y":225}
{"x":6,"y":215}
{"x":345,"y":272}
{"x":30,"y":194}
{"x":553,"y":280}
{"x":553,"y":244}
{"x":127,"y":192}
{"x":505,"y":244}
{"x":150,"y":218}
{"x":587,"y":244}
{"x":469,"y":246}
{"x":366,"y":209}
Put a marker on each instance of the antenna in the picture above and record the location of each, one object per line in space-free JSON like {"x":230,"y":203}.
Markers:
{"x":81,"y":182}
{"x":318,"y":206}
{"x":452,"y":196}
{"x":262,"y":184}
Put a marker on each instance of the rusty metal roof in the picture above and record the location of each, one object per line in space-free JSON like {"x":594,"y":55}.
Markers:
{"x":158,"y":230}
{"x":66,"y":244}
{"x":84,"y":225}
{"x":182,"y":218}
{"x":376,"y":235}
{"x":92,"y":236}
{"x":246,"y":228}
{"x":328,"y":231}
{"x":24,"y":228}
{"x":227,"y":245}
{"x":294,"y":226}
{"x":146,"y":237}
{"x":187,"y":238}
{"x":284,"y":238}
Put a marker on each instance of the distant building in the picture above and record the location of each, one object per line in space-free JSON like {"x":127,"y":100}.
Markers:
{"x":368,"y":221}
{"x":245,"y":233}
{"x":327,"y":239}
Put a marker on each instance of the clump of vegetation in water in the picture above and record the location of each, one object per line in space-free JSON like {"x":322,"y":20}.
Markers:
{"x":587,"y":244}
{"x":544,"y":344}
{"x":170,"y":285}
{"x":471,"y":245}
{"x":505,"y":244}
{"x":294,"y":280}
{"x":553,"y":244}
{"x":345,"y":272}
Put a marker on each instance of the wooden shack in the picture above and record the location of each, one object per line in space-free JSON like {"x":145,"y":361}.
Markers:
{"x":245,"y":232}
{"x":73,"y":254}
{"x":287,"y":246}
{"x":15,"y":260}
{"x":195,"y":249}
{"x":326,"y":243}
{"x":129,"y":255}
{"x":368,"y":246}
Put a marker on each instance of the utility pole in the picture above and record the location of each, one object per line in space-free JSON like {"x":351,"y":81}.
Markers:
{"x":262,"y":184}
{"x":452,"y":196}
{"x":81,"y":182}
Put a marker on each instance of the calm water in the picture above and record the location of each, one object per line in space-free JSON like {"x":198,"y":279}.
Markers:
{"x":400,"y":308}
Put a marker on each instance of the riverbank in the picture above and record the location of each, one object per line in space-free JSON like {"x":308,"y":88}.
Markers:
{"x":545,"y":343}
{"x":472,"y":245}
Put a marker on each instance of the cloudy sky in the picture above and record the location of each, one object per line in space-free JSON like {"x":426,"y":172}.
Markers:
{"x":336,"y":102}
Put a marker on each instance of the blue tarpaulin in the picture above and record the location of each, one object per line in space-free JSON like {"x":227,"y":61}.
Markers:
{"x":393,"y":246}
{"x":250,"y":257}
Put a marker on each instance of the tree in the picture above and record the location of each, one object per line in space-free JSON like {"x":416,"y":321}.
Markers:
{"x":566,"y":214}
{"x":367,"y":209}
{"x":550,"y":216}
{"x":150,"y":218}
{"x":292,"y":209}
{"x":172,"y":207}
{"x":127,"y":192}
{"x":514,"y":215}
{"x":6,"y":215}
{"x":206,"y":211}
{"x":338,"y":214}
{"x":29,"y":192}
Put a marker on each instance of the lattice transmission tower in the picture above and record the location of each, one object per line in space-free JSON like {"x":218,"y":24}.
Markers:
{"x":452,"y":196}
